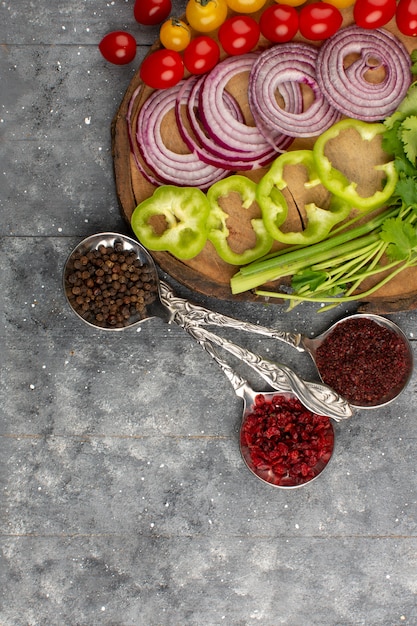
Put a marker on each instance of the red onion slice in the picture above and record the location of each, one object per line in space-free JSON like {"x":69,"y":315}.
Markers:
{"x":150,"y":177}
{"x":168,"y":167}
{"x":276,"y":68}
{"x":219,"y":122}
{"x":199,"y":140}
{"x":347,"y":88}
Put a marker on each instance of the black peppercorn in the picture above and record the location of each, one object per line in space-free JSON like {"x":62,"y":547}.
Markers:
{"x":107,"y":286}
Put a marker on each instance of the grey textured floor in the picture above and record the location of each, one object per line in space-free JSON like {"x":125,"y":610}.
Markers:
{"x":124,"y":499}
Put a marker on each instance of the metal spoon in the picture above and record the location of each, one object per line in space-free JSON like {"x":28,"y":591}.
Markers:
{"x":248,"y":395}
{"x":200,"y":315}
{"x":317,"y":397}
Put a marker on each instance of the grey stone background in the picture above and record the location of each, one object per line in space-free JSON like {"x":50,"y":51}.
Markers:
{"x":124,"y":499}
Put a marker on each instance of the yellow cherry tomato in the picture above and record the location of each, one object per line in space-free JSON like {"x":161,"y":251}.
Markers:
{"x":291,"y":3}
{"x":175,"y":34}
{"x":341,"y":4}
{"x":206,"y":15}
{"x":246,"y":6}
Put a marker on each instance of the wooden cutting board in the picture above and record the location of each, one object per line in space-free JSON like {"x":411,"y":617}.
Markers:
{"x":207,"y":273}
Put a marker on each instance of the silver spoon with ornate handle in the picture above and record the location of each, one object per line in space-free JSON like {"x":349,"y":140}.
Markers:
{"x":273,"y":398}
{"x":394,"y":385}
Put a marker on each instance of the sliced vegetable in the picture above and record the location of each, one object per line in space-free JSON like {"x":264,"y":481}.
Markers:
{"x":337,"y":183}
{"x":195,"y":136}
{"x":205,"y":15}
{"x":221,"y":124}
{"x":283,"y":69}
{"x":175,"y":34}
{"x":166,"y":166}
{"x":219,"y":232}
{"x":173,"y":219}
{"x":319,"y":20}
{"x":239,"y":34}
{"x":348,"y":87}
{"x":275,"y":208}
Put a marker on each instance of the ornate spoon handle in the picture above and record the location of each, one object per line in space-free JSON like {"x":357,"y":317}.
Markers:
{"x":238,"y":383}
{"x":199,"y":316}
{"x":316,"y":397}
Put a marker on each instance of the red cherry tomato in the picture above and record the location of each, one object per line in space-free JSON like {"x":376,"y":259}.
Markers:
{"x":406,"y":17}
{"x":319,"y":20}
{"x":151,"y":12}
{"x":279,"y":23}
{"x":373,"y":13}
{"x":201,"y":54}
{"x":162,"y":69}
{"x":239,"y":34}
{"x":118,"y":47}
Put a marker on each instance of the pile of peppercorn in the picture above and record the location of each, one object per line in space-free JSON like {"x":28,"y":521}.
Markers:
{"x":109,"y":286}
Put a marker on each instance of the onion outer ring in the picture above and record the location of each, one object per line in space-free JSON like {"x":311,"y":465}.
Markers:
{"x":294,"y":63}
{"x":346,"y":89}
{"x":168,"y":166}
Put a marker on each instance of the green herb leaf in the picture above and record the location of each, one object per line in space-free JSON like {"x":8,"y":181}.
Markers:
{"x":404,"y":167}
{"x":406,"y":190}
{"x":401,"y":236}
{"x":413,"y":56}
{"x":409,"y":105}
{"x":391,"y":139}
{"x":308,"y":278}
{"x":409,"y":137}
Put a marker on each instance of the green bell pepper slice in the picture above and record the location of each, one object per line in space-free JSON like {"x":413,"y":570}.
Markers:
{"x":218,"y":231}
{"x":341,"y":186}
{"x":180,"y":225}
{"x":275,"y":208}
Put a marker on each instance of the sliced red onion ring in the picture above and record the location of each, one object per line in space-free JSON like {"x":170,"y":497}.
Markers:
{"x":199,"y":140}
{"x":276,"y":68}
{"x":167,"y":166}
{"x":347,"y":88}
{"x":220,"y":123}
{"x":132,"y":141}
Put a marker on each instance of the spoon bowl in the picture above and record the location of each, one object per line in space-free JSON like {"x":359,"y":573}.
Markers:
{"x":289,"y":464}
{"x":87,"y":255}
{"x":365,"y":357}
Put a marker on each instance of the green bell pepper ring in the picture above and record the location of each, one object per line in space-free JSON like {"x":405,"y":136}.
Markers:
{"x":275,"y":208}
{"x":218,"y":232}
{"x":341,"y":186}
{"x":181,"y":214}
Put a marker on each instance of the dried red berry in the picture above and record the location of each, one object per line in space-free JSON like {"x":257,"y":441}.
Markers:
{"x":284,"y":443}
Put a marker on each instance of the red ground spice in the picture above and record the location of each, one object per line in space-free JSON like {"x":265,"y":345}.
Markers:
{"x":284,"y":443}
{"x":365,"y":362}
